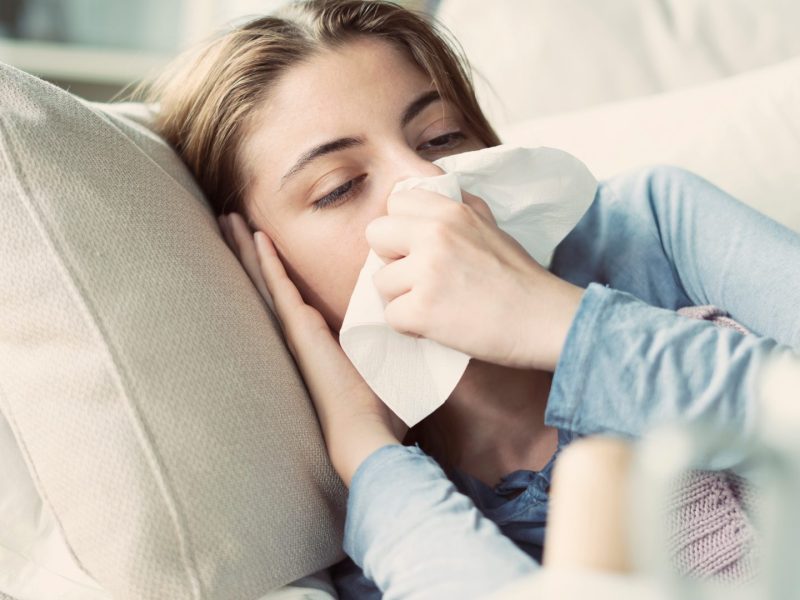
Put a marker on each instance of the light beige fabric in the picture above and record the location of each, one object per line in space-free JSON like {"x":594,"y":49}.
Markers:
{"x":741,"y":133}
{"x":543,"y":57}
{"x":161,"y":416}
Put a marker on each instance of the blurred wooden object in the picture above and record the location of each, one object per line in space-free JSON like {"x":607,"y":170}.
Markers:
{"x":589,"y":511}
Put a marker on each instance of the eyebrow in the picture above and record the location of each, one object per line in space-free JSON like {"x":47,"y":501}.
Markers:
{"x":418,"y":105}
{"x":411,"y":111}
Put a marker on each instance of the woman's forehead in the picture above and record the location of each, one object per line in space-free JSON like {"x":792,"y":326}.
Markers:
{"x":361,"y":72}
{"x":336,"y":93}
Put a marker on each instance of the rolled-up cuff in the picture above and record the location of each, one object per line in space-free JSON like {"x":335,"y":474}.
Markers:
{"x":567,"y":388}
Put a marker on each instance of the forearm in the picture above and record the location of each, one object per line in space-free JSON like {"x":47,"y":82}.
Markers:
{"x":627,"y":366}
{"x":417,"y":537}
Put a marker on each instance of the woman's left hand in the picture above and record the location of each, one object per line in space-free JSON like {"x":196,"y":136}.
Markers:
{"x":354,"y":421}
{"x":453,"y":276}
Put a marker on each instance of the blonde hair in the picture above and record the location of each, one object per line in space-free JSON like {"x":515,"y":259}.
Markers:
{"x":209,"y":95}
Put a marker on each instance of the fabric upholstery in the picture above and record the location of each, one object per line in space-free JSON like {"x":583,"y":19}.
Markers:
{"x":741,"y":133}
{"x":145,"y":380}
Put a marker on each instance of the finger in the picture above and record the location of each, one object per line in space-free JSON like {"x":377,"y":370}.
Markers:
{"x":391,"y":236}
{"x":402,"y":315}
{"x":285,"y":295}
{"x":394,"y":279}
{"x":246,"y":250}
{"x":419,"y":202}
{"x":479,"y":205}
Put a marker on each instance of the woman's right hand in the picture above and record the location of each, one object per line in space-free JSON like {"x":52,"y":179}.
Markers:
{"x":355,"y":422}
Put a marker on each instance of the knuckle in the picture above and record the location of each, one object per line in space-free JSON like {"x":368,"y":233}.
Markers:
{"x":380,"y":278}
{"x":398,"y":316}
{"x":422,"y":297}
{"x":440,"y":231}
{"x":438,"y":256}
{"x":453,"y":211}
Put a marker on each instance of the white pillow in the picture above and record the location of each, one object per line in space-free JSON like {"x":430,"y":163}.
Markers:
{"x":550,"y":56}
{"x":165,"y":443}
{"x":741,"y":133}
{"x":35,"y":560}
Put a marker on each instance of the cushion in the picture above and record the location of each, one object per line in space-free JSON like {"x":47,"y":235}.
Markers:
{"x":538,"y":57}
{"x":35,"y":563}
{"x":35,"y":560}
{"x":147,"y":385}
{"x":741,"y":133}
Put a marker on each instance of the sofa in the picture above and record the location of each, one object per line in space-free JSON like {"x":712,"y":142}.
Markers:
{"x":156,"y":438}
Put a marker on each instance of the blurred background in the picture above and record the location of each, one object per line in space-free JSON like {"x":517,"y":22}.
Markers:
{"x":709,"y":85}
{"x":95,"y":47}
{"x":530,"y":58}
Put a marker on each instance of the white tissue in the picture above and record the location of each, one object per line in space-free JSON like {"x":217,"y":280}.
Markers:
{"x":537,"y":195}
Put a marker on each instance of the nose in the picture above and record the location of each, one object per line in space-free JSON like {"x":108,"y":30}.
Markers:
{"x":407,"y":163}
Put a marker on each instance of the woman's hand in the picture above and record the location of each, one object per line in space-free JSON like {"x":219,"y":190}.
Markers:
{"x":354,"y":420}
{"x":455,"y":277}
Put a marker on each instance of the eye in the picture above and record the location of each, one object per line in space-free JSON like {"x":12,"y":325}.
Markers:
{"x":340,"y":194}
{"x":443,"y":142}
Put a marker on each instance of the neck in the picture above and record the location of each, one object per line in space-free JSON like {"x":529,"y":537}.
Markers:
{"x":495,"y":420}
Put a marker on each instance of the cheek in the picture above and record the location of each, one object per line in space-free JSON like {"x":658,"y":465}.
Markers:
{"x":324,"y":265}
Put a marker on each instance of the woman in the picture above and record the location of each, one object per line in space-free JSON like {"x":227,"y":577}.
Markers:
{"x":302,"y":123}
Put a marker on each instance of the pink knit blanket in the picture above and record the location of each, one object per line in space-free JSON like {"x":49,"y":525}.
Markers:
{"x":710,"y":512}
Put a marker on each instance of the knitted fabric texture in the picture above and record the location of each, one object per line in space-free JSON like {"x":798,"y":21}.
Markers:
{"x":710,"y":512}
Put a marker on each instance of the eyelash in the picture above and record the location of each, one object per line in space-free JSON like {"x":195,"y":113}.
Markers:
{"x":339,"y":194}
{"x":346,"y":190}
{"x":453,"y":136}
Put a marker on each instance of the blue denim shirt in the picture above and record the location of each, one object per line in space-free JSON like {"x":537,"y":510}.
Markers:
{"x":520,"y":517}
{"x":653,"y":241}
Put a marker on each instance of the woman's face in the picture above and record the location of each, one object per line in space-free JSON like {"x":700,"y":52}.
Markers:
{"x":325,"y":150}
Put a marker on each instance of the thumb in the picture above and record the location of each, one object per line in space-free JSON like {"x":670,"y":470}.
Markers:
{"x":478,"y":205}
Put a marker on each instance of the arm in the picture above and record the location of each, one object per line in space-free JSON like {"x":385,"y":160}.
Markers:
{"x":627,"y":365}
{"x":671,"y":239}
{"x":417,"y":537}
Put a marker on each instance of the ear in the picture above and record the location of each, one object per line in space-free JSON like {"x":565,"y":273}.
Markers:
{"x":478,"y":205}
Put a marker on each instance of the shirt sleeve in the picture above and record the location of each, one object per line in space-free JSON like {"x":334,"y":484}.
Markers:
{"x":417,"y":537}
{"x":653,"y":241}
{"x":627,"y":366}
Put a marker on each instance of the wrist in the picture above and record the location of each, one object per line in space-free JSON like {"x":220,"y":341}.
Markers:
{"x":355,"y":446}
{"x":549,"y":343}
{"x":571,"y":300}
